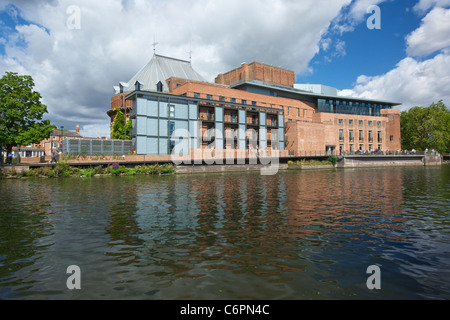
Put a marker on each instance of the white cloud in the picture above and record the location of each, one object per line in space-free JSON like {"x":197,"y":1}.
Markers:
{"x":411,"y":82}
{"x":423,"y":6}
{"x":414,"y":81}
{"x":76,"y":69}
{"x":432,"y":35}
{"x":353,"y":14}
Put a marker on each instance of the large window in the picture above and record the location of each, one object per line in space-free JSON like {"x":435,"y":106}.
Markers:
{"x":350,"y":135}
{"x":350,"y":107}
{"x":341,"y":135}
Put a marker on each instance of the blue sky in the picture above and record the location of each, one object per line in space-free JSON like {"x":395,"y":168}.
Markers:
{"x":367,"y":51}
{"x":323,"y":41}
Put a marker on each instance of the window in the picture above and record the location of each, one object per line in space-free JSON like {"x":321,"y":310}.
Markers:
{"x":361,"y":135}
{"x":209,"y":97}
{"x":361,"y":147}
{"x":304,"y":113}
{"x":341,"y":122}
{"x":209,"y":115}
{"x":222,"y":98}
{"x":233,"y":99}
{"x":253,"y":103}
{"x":171,"y":127}
{"x":350,"y":122}
{"x":370,"y":147}
{"x":369,"y":123}
{"x":350,"y":135}
{"x":370,"y":136}
{"x":379,"y":124}
{"x":244,"y":101}
{"x":379,"y":136}
{"x":360,"y":122}
{"x":273,"y":121}
{"x":159,"y":86}
{"x":341,"y":135}
{"x":171,"y":111}
{"x":196,"y":95}
{"x":233,"y":117}
{"x":391,"y":138}
{"x":352,"y":148}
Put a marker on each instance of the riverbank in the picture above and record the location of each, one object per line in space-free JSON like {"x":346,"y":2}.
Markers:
{"x":64,"y":169}
{"x":123,"y":168}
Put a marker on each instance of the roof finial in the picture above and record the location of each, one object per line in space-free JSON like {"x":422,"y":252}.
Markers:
{"x":154,"y":44}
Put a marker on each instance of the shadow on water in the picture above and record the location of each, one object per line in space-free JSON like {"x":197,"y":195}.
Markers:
{"x":294,"y":235}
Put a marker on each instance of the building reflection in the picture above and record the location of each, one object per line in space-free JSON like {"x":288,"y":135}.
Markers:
{"x":248,"y":223}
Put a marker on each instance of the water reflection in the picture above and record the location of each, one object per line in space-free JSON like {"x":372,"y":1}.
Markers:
{"x":294,"y":235}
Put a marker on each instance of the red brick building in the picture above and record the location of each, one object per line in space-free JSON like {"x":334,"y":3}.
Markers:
{"x":310,"y":119}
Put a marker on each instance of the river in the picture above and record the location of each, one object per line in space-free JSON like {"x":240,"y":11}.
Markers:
{"x":242,"y":235}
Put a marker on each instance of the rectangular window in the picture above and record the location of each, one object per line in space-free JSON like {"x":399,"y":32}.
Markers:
{"x":233,"y":117}
{"x":379,"y":136}
{"x":304,"y":113}
{"x":369,"y":123}
{"x":196,"y":95}
{"x":361,"y":135}
{"x":341,"y":135}
{"x":352,"y":148}
{"x":209,"y":97}
{"x":370,"y":136}
{"x":341,"y":122}
{"x":361,"y":147}
{"x":244,"y":101}
{"x":360,"y":123}
{"x":171,"y":111}
{"x":233,"y":99}
{"x":370,"y":147}
{"x":253,"y":103}
{"x":391,"y":138}
{"x":171,"y":127}
{"x":209,"y":115}
{"x":379,"y":124}
{"x":350,"y":135}
{"x":350,"y":122}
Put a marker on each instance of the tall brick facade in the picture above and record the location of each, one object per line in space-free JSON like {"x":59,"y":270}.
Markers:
{"x":258,"y":71}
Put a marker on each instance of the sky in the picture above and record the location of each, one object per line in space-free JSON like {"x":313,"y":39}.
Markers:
{"x":77,"y":51}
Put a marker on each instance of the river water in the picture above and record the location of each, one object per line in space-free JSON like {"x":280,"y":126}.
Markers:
{"x":293,"y":235}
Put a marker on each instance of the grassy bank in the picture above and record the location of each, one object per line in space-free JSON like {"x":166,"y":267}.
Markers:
{"x":63,"y":169}
{"x":304,"y":162}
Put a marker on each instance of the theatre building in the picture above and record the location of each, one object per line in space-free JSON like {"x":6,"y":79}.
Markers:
{"x":255,"y":106}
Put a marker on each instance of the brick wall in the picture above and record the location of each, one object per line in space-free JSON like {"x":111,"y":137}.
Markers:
{"x":258,"y":71}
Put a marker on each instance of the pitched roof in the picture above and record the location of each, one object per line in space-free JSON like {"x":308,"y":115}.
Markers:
{"x":160,"y":68}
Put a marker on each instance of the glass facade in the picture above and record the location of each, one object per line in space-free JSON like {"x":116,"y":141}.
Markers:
{"x":350,"y":107}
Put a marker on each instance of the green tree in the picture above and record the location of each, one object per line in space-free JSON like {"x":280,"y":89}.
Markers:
{"x":426,"y":128}
{"x":117,"y":128}
{"x":21,"y":112}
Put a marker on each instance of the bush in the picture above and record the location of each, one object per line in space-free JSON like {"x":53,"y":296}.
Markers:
{"x":333,"y":160}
